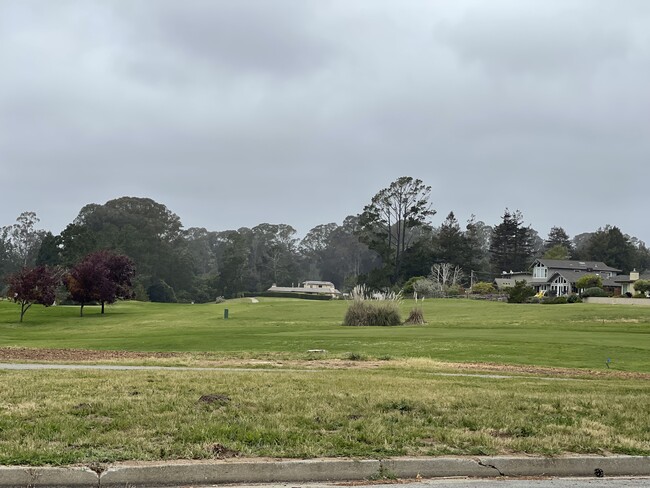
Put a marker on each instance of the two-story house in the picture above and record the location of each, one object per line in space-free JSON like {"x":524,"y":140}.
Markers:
{"x":559,"y":276}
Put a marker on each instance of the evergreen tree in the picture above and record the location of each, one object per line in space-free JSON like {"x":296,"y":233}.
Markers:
{"x":558,"y":237}
{"x":451,"y":244}
{"x":511,"y":247}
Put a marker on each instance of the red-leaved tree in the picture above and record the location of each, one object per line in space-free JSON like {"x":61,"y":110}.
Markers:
{"x":33,"y":285}
{"x":102,"y":277}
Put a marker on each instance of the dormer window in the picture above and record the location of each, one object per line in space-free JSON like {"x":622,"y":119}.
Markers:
{"x":540,"y":271}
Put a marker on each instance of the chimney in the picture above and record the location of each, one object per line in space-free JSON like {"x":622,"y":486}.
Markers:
{"x":634,"y":275}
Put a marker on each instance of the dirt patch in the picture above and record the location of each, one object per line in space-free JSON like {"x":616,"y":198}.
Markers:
{"x":542,"y":370}
{"x":74,"y":355}
{"x":25,"y":354}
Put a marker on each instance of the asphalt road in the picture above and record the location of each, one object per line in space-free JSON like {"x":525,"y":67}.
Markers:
{"x":474,"y":483}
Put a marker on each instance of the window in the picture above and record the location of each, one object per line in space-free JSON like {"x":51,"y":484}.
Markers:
{"x":540,"y":271}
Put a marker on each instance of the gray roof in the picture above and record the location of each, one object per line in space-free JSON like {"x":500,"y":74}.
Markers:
{"x":626,"y":278}
{"x":574,"y":276}
{"x":576,"y":265}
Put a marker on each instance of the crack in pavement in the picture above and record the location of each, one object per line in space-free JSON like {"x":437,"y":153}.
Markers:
{"x":485,"y":465}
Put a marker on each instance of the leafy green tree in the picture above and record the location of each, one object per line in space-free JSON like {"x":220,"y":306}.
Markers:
{"x":388,"y":221}
{"x":49,"y":252}
{"x":589,"y":281}
{"x":612,"y":247}
{"x":313,"y":248}
{"x":642,"y":286}
{"x":234,"y":274}
{"x":140,"y":228}
{"x":478,"y":236}
{"x":511,"y":247}
{"x":345,"y":257}
{"x":33,"y":285}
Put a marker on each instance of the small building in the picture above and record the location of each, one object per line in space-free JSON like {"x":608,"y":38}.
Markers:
{"x":627,"y":282}
{"x":509,"y":279}
{"x":308,"y":287}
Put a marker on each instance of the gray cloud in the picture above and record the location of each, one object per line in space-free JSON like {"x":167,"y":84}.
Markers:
{"x":235,"y":113}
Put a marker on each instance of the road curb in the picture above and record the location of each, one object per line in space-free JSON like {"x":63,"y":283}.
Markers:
{"x":321,"y":470}
{"x":240,"y":472}
{"x":25,"y":476}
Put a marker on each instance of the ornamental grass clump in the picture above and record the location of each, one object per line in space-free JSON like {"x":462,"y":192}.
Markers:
{"x":416,"y":317}
{"x":379,"y":308}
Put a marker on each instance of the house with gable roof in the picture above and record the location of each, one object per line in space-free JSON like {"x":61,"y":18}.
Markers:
{"x":559,"y":276}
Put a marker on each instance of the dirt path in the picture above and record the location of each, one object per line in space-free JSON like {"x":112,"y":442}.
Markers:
{"x":47,"y":358}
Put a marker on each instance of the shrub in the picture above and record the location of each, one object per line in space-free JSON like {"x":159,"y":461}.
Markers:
{"x":161,"y":292}
{"x":639,"y":295}
{"x":427,"y":288}
{"x":483,"y":288}
{"x":642,"y":287}
{"x":573,"y":298}
{"x":354,"y":356}
{"x":416,"y":317}
{"x":520,"y":292}
{"x":373,"y":312}
{"x":454,"y":290}
{"x":594,"y":292}
{"x":408,"y":288}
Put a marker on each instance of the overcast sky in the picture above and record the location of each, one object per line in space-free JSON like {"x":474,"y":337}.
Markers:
{"x":234,"y":113}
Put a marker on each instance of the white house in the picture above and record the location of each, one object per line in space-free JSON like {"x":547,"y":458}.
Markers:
{"x":309,"y":287}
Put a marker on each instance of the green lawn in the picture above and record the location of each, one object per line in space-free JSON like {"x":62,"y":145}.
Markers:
{"x":574,"y":336}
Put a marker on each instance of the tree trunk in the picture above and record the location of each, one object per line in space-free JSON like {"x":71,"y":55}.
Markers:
{"x":81,"y":310}
{"x":102,"y":308}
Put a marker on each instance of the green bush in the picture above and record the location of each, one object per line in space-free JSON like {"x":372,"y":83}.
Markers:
{"x":554,"y":300}
{"x":373,"y":312}
{"x":642,"y":287}
{"x":573,"y":298}
{"x":161,"y":292}
{"x":454,"y":290}
{"x":520,"y":293}
{"x":483,"y":288}
{"x":594,"y":292}
{"x":408,"y":288}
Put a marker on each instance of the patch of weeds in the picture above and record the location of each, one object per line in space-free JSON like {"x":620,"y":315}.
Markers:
{"x":524,"y":431}
{"x":383,"y":474}
{"x":355,"y":356}
{"x":403,"y":406}
{"x":385,"y":357}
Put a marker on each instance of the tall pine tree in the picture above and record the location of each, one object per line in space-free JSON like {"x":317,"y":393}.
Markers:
{"x":512,"y":244}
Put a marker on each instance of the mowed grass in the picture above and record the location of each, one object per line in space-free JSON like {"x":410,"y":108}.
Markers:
{"x":64,"y":417}
{"x":574,"y":336}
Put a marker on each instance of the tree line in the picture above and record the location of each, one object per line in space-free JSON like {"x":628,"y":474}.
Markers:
{"x":391,"y":240}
